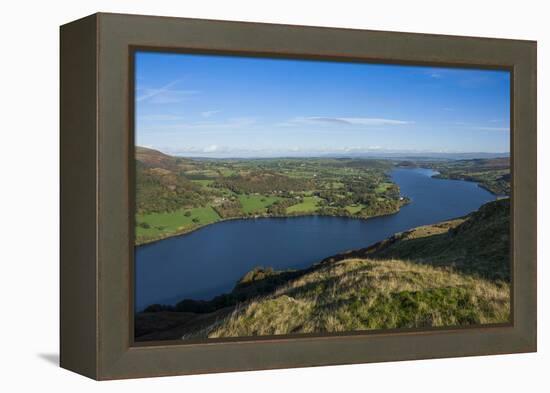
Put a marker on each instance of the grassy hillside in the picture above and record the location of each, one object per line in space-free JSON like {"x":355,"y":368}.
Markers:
{"x":361,"y":294}
{"x":176,"y":195}
{"x":493,"y":174}
{"x":478,"y":244}
{"x":155,"y":159}
{"x":448,"y":274}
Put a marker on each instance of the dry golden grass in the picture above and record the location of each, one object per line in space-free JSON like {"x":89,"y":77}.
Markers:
{"x":435,"y":229}
{"x":361,"y":294}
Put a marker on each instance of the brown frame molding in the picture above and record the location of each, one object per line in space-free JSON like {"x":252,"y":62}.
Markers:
{"x":96,"y":204}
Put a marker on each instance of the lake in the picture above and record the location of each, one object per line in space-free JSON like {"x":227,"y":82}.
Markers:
{"x":209,"y":261}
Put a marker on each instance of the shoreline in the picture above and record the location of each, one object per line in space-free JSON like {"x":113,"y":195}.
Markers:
{"x":436,"y":175}
{"x":361,"y":252}
{"x":406,"y":201}
{"x":188,"y":231}
{"x":479,"y":184}
{"x":191,"y":230}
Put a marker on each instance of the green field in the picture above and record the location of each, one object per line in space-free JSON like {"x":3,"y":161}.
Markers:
{"x":204,"y":183}
{"x":256,"y":203}
{"x":309,"y":205}
{"x":227,"y":172}
{"x":354,"y":208}
{"x":205,"y":173}
{"x":382,"y":187}
{"x":167,"y":187}
{"x":157,"y":224}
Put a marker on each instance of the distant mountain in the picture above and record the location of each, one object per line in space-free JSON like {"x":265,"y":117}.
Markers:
{"x":155,"y":159}
{"x":423,"y":156}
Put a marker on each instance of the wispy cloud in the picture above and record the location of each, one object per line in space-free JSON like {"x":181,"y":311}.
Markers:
{"x":350,"y":121}
{"x":507,"y":129}
{"x":150,"y":93}
{"x":211,"y":149}
{"x":435,"y":73}
{"x":460,"y":77}
{"x":480,"y":127}
{"x":208,"y":114}
{"x":225,"y":151}
{"x":473,"y":81}
{"x":204,"y":126}
{"x":161,"y":117}
{"x":165,"y":94}
{"x":216,"y":150}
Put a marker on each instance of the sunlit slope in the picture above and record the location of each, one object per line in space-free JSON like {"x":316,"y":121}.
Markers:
{"x":448,"y":274}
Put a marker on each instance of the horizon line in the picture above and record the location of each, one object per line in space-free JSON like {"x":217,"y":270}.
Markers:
{"x":379,"y":153}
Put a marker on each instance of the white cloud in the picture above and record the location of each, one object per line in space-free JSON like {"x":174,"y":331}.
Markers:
{"x":150,"y":93}
{"x":282,"y":151}
{"x":165,"y":94}
{"x":350,"y":121}
{"x":209,"y":113}
{"x":474,"y":126}
{"x":203,"y":126}
{"x":211,"y":149}
{"x":435,"y":73}
{"x":493,"y":128}
{"x":161,"y":117}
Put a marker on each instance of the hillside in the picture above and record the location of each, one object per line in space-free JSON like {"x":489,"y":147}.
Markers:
{"x":451,"y":273}
{"x":362,"y":294}
{"x":176,"y":195}
{"x":478,"y":244}
{"x":155,"y":159}
{"x":492,"y":174}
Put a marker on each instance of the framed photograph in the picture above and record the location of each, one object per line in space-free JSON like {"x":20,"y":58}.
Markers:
{"x":242,"y":196}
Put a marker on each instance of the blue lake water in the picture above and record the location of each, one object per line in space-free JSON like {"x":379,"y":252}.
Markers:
{"x":209,"y":261}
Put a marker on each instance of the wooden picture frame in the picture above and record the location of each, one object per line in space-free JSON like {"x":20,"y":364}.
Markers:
{"x":97,"y":204}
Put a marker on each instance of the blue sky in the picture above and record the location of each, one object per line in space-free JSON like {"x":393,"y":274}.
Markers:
{"x":226,"y":106}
